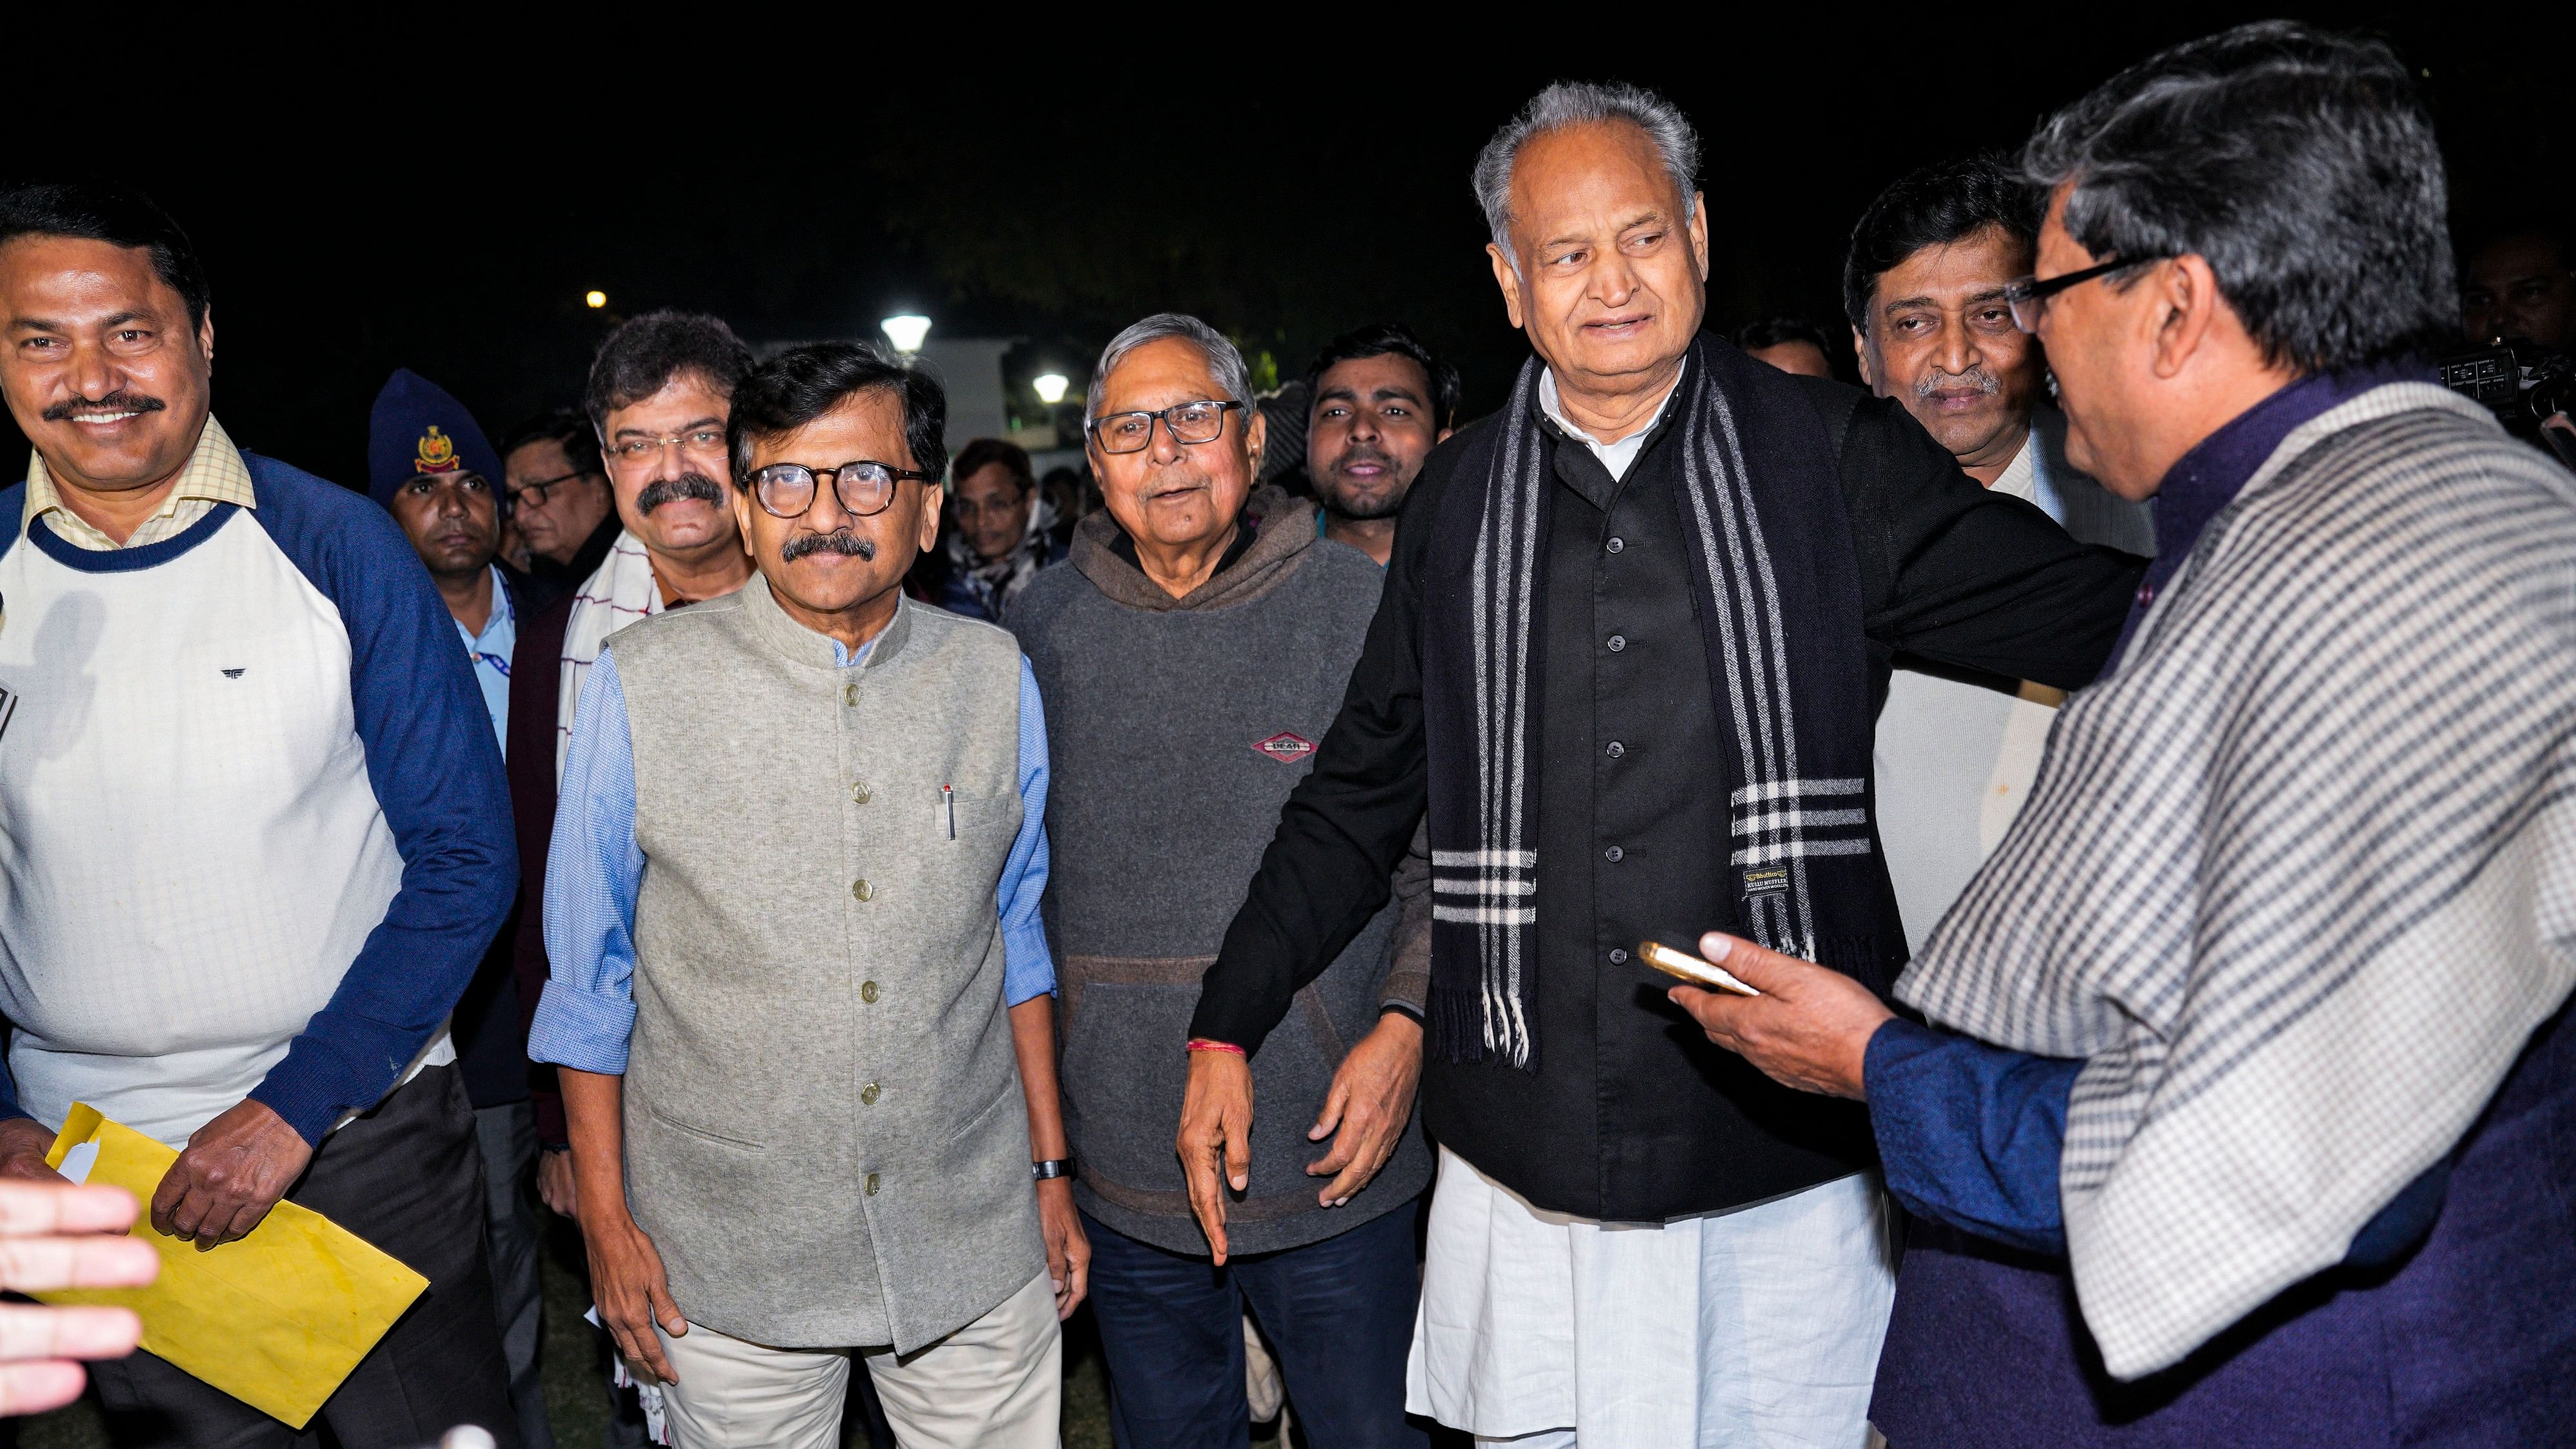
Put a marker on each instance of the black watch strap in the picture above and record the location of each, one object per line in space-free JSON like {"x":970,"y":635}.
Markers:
{"x":1051,"y":1168}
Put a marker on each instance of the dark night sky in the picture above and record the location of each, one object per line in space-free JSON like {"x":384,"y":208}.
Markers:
{"x":408,"y":201}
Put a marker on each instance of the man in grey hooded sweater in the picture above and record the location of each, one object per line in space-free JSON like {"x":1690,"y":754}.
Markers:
{"x":1191,"y":656}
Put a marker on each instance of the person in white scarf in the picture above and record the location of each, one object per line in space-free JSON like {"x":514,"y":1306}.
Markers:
{"x":2253,"y":1027}
{"x":660,"y":392}
{"x":1003,"y":531}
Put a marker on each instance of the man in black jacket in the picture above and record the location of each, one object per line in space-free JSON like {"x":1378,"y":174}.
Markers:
{"x":1635,"y":632}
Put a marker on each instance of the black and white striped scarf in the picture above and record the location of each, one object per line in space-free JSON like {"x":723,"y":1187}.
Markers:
{"x":2299,"y":878}
{"x":1780,"y":610}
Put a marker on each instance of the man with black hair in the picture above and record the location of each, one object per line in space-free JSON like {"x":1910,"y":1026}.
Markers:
{"x":662,"y":386}
{"x":661,"y":389}
{"x":559,"y":496}
{"x":1002,"y":532}
{"x":1924,"y":286}
{"x":258,"y":836}
{"x":2238,"y":1106}
{"x":1791,"y":344}
{"x":803,"y":1001}
{"x":1378,"y":402}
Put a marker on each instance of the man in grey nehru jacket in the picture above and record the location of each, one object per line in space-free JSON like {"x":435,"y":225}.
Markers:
{"x":800,"y":992}
{"x":1192,"y":652}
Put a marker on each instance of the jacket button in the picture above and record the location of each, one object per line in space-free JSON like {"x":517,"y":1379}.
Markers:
{"x":868,"y":1095}
{"x":1618,"y":642}
{"x":1618,"y":957}
{"x":1613,"y":855}
{"x":868,"y":992}
{"x":850,"y":694}
{"x":1617,"y":749}
{"x":871,"y":1185}
{"x":862,"y":890}
{"x":859,"y":792}
{"x":1616,"y":544}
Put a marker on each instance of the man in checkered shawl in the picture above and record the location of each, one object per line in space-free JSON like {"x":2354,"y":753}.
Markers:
{"x":2253,"y":1026}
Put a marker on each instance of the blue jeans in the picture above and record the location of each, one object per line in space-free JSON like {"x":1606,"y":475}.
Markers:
{"x":1338,"y":1314}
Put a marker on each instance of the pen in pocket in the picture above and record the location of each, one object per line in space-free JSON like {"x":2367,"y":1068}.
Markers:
{"x":948,"y":806}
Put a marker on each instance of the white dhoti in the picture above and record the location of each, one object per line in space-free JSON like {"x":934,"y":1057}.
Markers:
{"x":1757,"y":1326}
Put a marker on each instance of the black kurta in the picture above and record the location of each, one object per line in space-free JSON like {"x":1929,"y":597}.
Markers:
{"x":1627,"y":1112}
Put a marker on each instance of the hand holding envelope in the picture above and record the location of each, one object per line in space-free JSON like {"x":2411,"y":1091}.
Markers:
{"x":277,"y":1319}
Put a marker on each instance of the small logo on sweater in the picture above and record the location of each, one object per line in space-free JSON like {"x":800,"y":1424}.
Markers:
{"x":232,"y":674}
{"x":1286,"y":748}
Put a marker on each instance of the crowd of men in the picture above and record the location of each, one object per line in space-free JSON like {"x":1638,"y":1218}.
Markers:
{"x":2115,"y":769}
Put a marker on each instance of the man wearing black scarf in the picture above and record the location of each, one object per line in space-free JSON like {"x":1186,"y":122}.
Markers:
{"x":1636,"y":630}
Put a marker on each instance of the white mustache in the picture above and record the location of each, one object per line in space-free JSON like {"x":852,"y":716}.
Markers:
{"x":1976,"y":377}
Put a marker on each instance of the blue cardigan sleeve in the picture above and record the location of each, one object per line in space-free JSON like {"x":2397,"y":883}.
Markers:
{"x":436,"y":772}
{"x":1971,"y":1135}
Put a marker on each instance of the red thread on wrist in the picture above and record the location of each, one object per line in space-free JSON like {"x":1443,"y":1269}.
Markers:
{"x":1204,"y":1044}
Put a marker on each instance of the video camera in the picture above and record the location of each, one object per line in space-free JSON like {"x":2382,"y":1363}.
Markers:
{"x":2524,"y":384}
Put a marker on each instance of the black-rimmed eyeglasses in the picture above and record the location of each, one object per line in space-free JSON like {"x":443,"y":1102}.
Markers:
{"x":2028,"y":297}
{"x":533,"y":495}
{"x":1189,"y":423}
{"x":787,"y":490}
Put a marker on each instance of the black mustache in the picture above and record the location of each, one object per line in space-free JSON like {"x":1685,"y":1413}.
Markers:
{"x":670,"y":490}
{"x":129,"y":402}
{"x":1361,"y":453}
{"x":838,"y":541}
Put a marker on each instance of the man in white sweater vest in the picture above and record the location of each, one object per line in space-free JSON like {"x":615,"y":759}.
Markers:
{"x":253,"y":830}
{"x":1924,"y":286}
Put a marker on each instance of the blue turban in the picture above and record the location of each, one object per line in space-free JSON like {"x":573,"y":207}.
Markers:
{"x":417,"y":428}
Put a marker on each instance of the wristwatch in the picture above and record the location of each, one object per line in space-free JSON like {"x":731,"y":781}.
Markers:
{"x":1052,"y":1167}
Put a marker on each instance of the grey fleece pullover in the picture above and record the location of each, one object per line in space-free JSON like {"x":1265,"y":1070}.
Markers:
{"x":1175,"y":729}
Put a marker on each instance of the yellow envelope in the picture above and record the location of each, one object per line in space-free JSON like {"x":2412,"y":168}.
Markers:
{"x":276,"y":1320}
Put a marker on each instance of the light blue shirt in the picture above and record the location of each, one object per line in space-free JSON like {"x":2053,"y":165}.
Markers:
{"x":595,"y":870}
{"x":490,"y":651}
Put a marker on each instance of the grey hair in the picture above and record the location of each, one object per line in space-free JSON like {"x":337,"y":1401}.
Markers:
{"x":2300,"y":164}
{"x":1580,"y":103}
{"x":1222,"y":357}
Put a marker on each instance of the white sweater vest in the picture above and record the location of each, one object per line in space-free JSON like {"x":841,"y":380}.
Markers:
{"x":190,"y":851}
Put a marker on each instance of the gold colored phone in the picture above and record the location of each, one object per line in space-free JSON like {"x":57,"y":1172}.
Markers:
{"x":1690,"y":968}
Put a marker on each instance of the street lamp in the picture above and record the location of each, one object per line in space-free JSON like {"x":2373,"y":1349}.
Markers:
{"x":906,"y":331}
{"x":1050,"y":386}
{"x":594,"y":300}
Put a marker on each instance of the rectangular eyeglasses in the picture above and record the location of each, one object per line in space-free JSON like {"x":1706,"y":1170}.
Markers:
{"x":1189,"y":423}
{"x":2028,"y":296}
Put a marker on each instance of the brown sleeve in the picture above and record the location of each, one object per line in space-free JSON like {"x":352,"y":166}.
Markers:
{"x":1408,"y":972}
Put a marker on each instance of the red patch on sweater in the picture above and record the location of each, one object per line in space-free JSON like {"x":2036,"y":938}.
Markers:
{"x":1286,"y":748}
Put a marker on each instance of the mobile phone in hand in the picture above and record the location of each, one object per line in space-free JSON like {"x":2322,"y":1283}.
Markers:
{"x":1673,"y":961}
